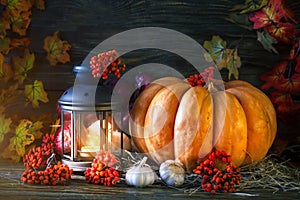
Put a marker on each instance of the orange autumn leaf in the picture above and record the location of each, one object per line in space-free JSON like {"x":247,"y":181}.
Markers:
{"x":39,"y":4}
{"x":8,"y":95}
{"x":4,"y":25}
{"x":19,"y":20}
{"x":6,"y":72}
{"x":20,"y":43}
{"x":18,"y":5}
{"x":56,"y":49}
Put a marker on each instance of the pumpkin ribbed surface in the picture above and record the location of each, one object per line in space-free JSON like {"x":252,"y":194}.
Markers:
{"x":172,"y":120}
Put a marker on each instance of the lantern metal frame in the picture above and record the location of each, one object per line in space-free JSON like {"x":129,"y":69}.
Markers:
{"x":84,"y":98}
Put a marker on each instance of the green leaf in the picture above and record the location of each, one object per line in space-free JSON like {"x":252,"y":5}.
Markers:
{"x":9,"y":95}
{"x":250,"y":6}
{"x":23,"y":65}
{"x":267,"y":41}
{"x":35,"y":92}
{"x":215,"y":48}
{"x":22,"y":138}
{"x":4,"y":126}
{"x":233,"y":62}
{"x":222,"y":56}
{"x":241,"y":20}
{"x":4,"y":45}
{"x":20,"y":5}
{"x":35,"y":129}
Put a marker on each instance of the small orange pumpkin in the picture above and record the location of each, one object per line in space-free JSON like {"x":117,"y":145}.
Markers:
{"x":172,"y":120}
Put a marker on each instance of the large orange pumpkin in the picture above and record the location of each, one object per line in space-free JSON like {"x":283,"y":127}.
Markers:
{"x":172,"y":120}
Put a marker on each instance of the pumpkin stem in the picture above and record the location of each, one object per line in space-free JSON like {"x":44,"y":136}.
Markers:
{"x":143,"y":161}
{"x":215,"y":85}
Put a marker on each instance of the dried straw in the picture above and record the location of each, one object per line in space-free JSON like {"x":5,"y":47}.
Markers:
{"x":270,"y":174}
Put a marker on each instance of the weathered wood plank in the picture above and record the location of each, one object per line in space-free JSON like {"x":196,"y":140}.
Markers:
{"x":12,"y":187}
{"x":87,"y":23}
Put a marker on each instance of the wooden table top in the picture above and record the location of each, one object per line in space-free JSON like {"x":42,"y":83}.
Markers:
{"x":12,"y":187}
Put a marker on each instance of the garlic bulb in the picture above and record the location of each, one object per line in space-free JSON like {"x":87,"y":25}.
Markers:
{"x":141,"y":175}
{"x":172,"y":173}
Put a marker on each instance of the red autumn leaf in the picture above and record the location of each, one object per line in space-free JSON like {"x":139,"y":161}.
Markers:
{"x":273,"y":77}
{"x":56,"y":49}
{"x":281,"y":79}
{"x":272,"y":13}
{"x":260,"y":19}
{"x":291,"y":84}
{"x":289,"y":14}
{"x":275,"y":10}
{"x":282,"y":31}
{"x":284,"y":102}
{"x":281,"y":98}
{"x":297,"y":67}
{"x":295,"y":50}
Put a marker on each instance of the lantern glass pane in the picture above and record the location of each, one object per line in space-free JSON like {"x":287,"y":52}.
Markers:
{"x":66,"y":133}
{"x":87,"y":134}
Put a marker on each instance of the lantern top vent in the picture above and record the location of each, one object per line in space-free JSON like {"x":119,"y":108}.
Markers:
{"x":86,"y":94}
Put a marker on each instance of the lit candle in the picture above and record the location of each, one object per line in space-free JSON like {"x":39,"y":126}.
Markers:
{"x":95,"y":137}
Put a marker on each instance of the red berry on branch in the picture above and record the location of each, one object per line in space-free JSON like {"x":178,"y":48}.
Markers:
{"x":106,"y":63}
{"x":218,"y":180}
{"x":202,"y":78}
{"x":102,"y":170}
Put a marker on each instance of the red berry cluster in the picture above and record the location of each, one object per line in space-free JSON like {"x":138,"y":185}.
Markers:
{"x":36,"y":161}
{"x":102,"y":170}
{"x":107,"y":63}
{"x":52,"y":175}
{"x":202,"y":78}
{"x":107,"y":158}
{"x":37,"y":156}
{"x":215,"y":179}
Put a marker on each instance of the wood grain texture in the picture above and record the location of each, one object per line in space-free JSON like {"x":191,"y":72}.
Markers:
{"x":86,"y":23}
{"x":11,"y":187}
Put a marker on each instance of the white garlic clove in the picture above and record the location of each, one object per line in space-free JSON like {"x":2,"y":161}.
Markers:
{"x":172,"y":173}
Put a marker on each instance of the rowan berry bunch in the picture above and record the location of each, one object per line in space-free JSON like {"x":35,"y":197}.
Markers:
{"x":107,"y":63}
{"x":41,"y":165}
{"x":102,"y":171}
{"x":52,"y":175}
{"x":202,"y":78}
{"x":107,"y":158}
{"x":218,"y":173}
{"x":37,"y":156}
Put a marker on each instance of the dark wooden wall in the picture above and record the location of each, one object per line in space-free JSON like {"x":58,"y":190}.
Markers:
{"x":86,"y":23}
